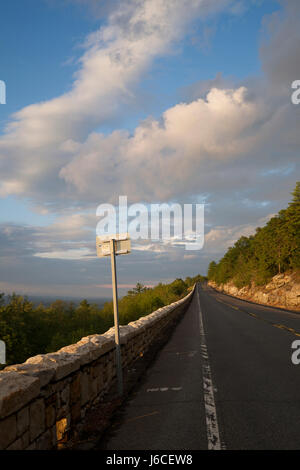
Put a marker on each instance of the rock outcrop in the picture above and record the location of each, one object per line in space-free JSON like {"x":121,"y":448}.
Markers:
{"x":282,"y":291}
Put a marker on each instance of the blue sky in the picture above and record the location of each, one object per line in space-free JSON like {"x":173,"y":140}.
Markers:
{"x":40,"y":42}
{"x":46,"y":45}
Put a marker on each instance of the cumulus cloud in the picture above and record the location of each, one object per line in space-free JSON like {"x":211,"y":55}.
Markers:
{"x":238,"y":145}
{"x":51,"y":152}
{"x":161,"y":157}
{"x":41,"y":138}
{"x":173,"y":157}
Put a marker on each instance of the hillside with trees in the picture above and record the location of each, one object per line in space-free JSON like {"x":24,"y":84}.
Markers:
{"x":28,"y":330}
{"x":273,"y":249}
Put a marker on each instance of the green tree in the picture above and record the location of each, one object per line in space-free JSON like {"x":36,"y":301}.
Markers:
{"x":273,"y":249}
{"x":137,"y":289}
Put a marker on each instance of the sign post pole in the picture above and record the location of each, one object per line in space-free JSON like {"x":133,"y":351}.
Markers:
{"x":115,"y":245}
{"x":116,"y":317}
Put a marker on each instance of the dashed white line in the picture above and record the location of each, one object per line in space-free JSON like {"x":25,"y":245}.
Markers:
{"x":164,"y":389}
{"x":212,"y":427}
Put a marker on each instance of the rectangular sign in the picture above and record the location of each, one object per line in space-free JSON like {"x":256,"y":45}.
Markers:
{"x":103,"y":249}
{"x":122,"y":247}
{"x":115,"y":236}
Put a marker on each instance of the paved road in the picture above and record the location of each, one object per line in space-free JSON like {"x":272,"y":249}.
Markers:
{"x":224,"y":380}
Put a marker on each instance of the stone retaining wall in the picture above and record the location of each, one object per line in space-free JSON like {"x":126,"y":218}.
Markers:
{"x":43,"y":399}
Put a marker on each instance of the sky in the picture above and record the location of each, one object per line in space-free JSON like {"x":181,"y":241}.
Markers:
{"x":163,"y":101}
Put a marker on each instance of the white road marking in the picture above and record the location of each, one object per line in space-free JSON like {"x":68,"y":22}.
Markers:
{"x":212,"y":428}
{"x":164,"y":389}
{"x":188,"y":353}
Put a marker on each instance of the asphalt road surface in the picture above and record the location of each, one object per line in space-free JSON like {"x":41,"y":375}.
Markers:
{"x":224,"y":380}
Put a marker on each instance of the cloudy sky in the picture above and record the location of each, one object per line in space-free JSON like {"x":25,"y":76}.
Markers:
{"x":184,"y":101}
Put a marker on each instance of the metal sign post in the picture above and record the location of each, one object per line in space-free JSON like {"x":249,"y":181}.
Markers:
{"x":116,"y":317}
{"x":120,"y":245}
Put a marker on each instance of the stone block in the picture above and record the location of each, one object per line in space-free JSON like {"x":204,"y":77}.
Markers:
{"x":44,"y":442}
{"x":26,"y":439}
{"x":75,"y":412}
{"x":75,"y":388}
{"x":50,"y":415}
{"x":65,"y":395}
{"x":8,"y":431}
{"x":31,"y":447}
{"x":16,"y":390}
{"x":65,"y":364}
{"x":17,"y":445}
{"x":22,"y":421}
{"x":84,"y":388}
{"x":37,"y":419}
{"x":36,"y":366}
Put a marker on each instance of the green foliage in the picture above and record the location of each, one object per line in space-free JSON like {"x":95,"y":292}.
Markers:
{"x":275,"y":248}
{"x":137,"y":289}
{"x":29,"y":330}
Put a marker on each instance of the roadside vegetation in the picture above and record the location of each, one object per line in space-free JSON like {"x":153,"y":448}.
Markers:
{"x":273,"y":249}
{"x":28,"y":330}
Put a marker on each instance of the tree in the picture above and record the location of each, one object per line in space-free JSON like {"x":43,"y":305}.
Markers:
{"x":296,"y":194}
{"x":274,"y":248}
{"x":137,"y":289}
{"x":212,"y":270}
{"x":28,"y":330}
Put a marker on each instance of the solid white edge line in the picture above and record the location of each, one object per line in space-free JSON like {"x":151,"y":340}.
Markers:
{"x":212,"y":427}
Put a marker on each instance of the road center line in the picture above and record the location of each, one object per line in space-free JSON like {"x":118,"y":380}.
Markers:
{"x":254,"y":315}
{"x":212,"y":428}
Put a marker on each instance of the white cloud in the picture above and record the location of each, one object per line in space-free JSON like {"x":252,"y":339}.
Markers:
{"x":163,"y":160}
{"x":76,"y":254}
{"x":41,"y":138}
{"x":51,"y":153}
{"x":231,"y":142}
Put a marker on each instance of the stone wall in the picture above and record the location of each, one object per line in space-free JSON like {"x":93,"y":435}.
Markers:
{"x":43,"y":399}
{"x":282,"y":291}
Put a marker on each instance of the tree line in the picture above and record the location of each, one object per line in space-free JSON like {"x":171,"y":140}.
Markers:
{"x":28,"y":330}
{"x":273,"y":249}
